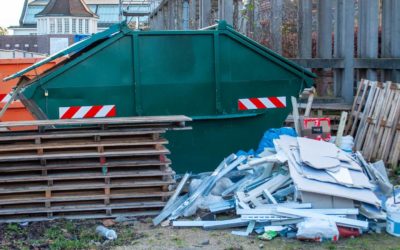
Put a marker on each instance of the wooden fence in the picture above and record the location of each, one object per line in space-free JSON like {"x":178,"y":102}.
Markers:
{"x":340,"y":40}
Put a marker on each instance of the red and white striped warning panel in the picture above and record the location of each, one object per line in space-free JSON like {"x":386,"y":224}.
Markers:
{"x":79,"y":112}
{"x":5,"y":98}
{"x":262,"y":103}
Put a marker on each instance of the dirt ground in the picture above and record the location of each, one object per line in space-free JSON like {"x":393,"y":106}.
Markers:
{"x":142,"y":235}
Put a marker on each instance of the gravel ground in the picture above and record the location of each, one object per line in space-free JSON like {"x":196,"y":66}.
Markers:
{"x":65,"y":234}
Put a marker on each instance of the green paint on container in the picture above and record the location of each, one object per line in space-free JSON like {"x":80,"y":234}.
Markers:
{"x":201,"y":74}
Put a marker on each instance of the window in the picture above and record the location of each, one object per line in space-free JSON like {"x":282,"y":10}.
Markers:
{"x":45,"y":30}
{"x":59,"y":25}
{"x":16,"y":45}
{"x":74,"y":26}
{"x":26,"y":45}
{"x":8,"y":45}
{"x":52,"y":26}
{"x":35,"y":45}
{"x":66,"y":25}
{"x":86,"y":26}
{"x":80,"y":26}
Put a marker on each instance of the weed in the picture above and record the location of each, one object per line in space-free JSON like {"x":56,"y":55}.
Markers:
{"x":62,"y":243}
{"x":178,"y":241}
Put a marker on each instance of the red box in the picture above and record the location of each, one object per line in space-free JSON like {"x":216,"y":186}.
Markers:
{"x":316,"y":128}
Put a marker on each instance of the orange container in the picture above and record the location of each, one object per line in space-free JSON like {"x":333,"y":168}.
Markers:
{"x":17,"y":111}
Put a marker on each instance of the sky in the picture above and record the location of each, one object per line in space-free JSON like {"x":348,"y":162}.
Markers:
{"x":10,"y":12}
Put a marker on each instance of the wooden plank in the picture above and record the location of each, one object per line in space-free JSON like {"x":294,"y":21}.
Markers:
{"x":88,"y":196}
{"x":369,"y":106}
{"x":380,"y":127}
{"x":309,"y":103}
{"x":373,"y":131}
{"x":69,"y":144}
{"x":76,"y":133}
{"x":354,"y":107}
{"x":82,"y":175}
{"x":390,"y":129}
{"x":21,"y":157}
{"x":178,"y":120}
{"x":355,"y":120}
{"x":83,"y":186}
{"x":85,"y":165}
{"x":296,"y":116}
{"x":340,"y":131}
{"x":80,"y":208}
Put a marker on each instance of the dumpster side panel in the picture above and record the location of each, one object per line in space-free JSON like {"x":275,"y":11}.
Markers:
{"x":248,"y":74}
{"x":104,"y":78}
{"x":243,"y":74}
{"x":176,"y":74}
{"x":201,"y":74}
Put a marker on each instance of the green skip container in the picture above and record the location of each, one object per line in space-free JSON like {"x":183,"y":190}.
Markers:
{"x":233,"y":88}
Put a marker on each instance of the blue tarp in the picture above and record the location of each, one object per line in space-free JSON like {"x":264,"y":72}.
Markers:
{"x":274,"y":133}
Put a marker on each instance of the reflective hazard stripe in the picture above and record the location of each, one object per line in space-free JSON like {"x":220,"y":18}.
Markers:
{"x":262,"y":103}
{"x":5,"y":98}
{"x":79,"y":112}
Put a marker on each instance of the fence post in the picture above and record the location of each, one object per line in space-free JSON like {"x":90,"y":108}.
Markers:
{"x":396,"y":37}
{"x":324,"y":43}
{"x":276,"y":25}
{"x":305,"y":29}
{"x":344,"y":48}
{"x":368,"y":33}
{"x":205,"y":11}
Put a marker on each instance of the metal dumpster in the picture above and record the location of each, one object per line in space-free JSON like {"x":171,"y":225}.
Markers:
{"x":16,"y":110}
{"x":232,"y":87}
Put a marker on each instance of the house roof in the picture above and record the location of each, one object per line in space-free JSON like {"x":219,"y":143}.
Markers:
{"x":66,"y":8}
{"x":106,"y":10}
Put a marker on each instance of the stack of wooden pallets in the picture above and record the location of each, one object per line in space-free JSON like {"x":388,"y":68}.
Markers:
{"x":375,"y":121}
{"x":95,"y":168}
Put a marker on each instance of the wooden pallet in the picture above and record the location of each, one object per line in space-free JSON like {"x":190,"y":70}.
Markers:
{"x":374,"y":121}
{"x":95,"y":168}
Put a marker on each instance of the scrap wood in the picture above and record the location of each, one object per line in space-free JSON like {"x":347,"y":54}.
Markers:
{"x":309,"y":102}
{"x":342,"y":124}
{"x":373,"y":121}
{"x":296,"y":116}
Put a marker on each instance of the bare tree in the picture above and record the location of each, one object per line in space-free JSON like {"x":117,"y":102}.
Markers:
{"x":3,"y":31}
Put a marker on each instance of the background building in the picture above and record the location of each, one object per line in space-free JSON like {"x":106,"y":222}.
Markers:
{"x":106,"y":11}
{"x":47,"y":26}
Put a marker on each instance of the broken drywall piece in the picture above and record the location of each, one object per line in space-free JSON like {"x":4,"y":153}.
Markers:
{"x":318,"y":154}
{"x":342,"y":176}
{"x":314,"y":186}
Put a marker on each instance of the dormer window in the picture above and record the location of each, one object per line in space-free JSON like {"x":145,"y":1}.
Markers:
{"x":66,"y":17}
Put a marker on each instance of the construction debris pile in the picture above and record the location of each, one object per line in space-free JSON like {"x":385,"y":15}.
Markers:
{"x":298,"y":188}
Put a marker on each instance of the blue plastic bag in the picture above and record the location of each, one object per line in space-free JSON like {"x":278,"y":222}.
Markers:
{"x":274,"y":133}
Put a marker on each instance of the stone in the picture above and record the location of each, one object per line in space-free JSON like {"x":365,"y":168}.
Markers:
{"x":205,"y":242}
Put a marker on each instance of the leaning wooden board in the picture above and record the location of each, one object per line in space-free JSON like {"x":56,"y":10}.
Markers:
{"x":374,"y":121}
